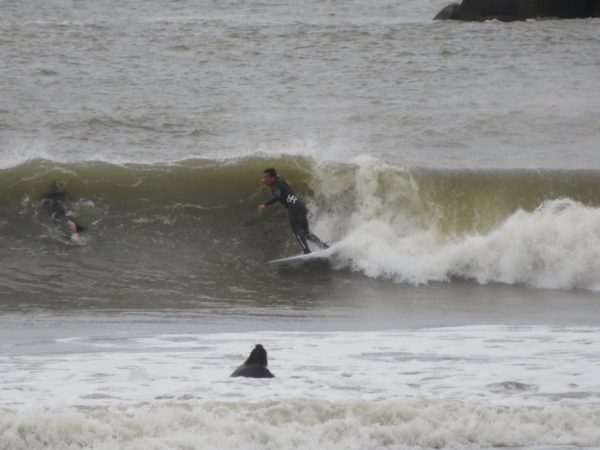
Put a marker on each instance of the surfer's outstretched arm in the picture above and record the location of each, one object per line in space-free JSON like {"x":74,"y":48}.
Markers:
{"x":274,"y":199}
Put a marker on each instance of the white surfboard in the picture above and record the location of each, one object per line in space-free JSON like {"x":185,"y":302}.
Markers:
{"x":322,"y":255}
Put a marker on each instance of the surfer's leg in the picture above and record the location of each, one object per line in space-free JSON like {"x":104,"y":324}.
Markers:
{"x":302,"y":241}
{"x":308,"y":235}
{"x":296,"y":215}
{"x":313,"y":238}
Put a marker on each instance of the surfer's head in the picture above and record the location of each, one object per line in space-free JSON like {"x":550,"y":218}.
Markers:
{"x":257,"y":356}
{"x":59,"y":186}
{"x":269,"y":176}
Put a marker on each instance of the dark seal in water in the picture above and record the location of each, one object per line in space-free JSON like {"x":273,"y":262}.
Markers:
{"x":255,"y":366}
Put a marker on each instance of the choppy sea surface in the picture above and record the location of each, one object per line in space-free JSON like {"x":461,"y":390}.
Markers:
{"x":454,"y":165}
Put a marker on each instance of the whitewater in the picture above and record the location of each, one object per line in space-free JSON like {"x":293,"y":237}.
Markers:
{"x":376,"y":390}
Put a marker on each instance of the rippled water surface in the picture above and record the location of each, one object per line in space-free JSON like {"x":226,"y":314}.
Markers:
{"x":454,"y":165}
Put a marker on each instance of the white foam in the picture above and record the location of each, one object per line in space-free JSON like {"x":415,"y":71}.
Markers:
{"x":300,"y":424}
{"x":469,"y":363}
{"x":446,"y":388}
{"x":555,"y":246}
{"x":387,"y":235}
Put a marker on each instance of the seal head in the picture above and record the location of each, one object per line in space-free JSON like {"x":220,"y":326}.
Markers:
{"x":255,"y":366}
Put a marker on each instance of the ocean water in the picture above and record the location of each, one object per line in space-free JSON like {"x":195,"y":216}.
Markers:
{"x":454,"y":165}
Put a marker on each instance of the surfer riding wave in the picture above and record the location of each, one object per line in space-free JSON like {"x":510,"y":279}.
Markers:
{"x":297,"y":212}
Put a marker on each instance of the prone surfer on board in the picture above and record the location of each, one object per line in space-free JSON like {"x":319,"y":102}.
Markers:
{"x":56,"y":201}
{"x":283,"y":193}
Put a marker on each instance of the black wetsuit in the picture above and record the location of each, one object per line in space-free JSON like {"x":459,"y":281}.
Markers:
{"x":56,"y":203}
{"x":283,"y":193}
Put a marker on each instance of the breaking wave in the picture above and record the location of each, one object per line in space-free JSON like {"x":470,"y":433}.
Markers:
{"x":539,"y":228}
{"x":302,"y":424}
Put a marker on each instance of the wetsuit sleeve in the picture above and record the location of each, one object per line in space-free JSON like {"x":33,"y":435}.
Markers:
{"x":275,"y":198}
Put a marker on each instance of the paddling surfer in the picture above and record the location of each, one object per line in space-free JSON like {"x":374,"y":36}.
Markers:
{"x":57,"y":201}
{"x":283,"y":193}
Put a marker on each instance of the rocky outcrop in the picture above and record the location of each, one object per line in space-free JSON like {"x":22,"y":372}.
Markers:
{"x":510,"y":10}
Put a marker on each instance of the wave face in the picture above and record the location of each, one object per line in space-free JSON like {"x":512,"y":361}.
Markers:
{"x":197,"y":218}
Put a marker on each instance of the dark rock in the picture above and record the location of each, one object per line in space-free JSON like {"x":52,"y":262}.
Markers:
{"x":509,"y":10}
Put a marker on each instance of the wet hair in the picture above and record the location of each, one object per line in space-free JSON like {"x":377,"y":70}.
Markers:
{"x":271,"y":172}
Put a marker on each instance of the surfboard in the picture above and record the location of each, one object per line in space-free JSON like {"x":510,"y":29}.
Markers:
{"x":322,"y":255}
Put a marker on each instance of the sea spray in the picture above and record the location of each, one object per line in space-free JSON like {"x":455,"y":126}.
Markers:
{"x":413,"y":227}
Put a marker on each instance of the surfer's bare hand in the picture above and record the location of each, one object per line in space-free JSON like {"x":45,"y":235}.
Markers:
{"x":261,"y":208}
